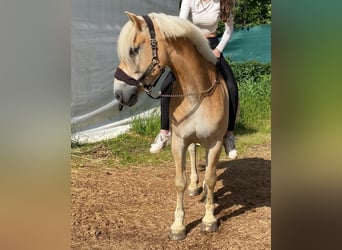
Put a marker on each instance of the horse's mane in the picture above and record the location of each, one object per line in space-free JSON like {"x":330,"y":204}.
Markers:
{"x":170,"y":27}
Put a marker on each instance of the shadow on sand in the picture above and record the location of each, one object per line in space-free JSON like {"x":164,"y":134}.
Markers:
{"x":246,"y":183}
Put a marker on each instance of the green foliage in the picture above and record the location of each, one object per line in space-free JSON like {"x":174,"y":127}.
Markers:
{"x":249,"y":13}
{"x":255,"y":106}
{"x":254,"y":83}
{"x":220,"y":28}
{"x":147,"y":126}
{"x":249,"y":71}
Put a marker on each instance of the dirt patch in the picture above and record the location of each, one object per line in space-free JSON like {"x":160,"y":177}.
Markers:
{"x":132,"y":208}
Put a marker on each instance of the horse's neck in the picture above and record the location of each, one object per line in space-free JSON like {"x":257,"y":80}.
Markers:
{"x":193,"y":72}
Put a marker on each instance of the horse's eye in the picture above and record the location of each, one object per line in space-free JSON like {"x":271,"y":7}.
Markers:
{"x":133,"y":51}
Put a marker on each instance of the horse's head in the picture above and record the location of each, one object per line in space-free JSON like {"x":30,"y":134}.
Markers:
{"x":140,"y":63}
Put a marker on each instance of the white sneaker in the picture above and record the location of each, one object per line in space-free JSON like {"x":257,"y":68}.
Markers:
{"x":159,"y":143}
{"x":229,"y":146}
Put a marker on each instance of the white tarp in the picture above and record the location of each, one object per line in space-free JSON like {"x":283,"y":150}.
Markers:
{"x":95,"y":27}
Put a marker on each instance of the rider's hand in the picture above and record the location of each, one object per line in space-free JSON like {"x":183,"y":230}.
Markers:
{"x":217,"y":53}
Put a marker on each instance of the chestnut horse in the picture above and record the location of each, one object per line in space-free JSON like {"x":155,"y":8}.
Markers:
{"x":198,"y":114}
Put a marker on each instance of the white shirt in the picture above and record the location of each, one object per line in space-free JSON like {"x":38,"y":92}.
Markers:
{"x":206,"y":15}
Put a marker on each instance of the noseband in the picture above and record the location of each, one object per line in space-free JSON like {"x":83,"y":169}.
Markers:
{"x":122,"y":76}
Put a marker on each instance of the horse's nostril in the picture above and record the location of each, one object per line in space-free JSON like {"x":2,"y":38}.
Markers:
{"x":118,"y":96}
{"x":133,"y":100}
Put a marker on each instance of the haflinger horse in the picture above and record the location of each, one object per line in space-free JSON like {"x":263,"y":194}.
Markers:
{"x":199,"y":111}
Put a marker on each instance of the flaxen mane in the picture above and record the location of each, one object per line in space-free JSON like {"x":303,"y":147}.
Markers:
{"x":170,"y":27}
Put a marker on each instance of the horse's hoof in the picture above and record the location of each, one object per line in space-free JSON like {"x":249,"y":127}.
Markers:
{"x":208,"y":227}
{"x":177,"y":235}
{"x":194,"y":192}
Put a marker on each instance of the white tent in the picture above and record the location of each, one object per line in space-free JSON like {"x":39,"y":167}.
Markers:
{"x":95,"y":27}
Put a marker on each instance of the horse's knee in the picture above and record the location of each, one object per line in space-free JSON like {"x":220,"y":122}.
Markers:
{"x":210,"y":180}
{"x":180,"y":184}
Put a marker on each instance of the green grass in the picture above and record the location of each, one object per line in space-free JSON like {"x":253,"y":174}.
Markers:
{"x":133,"y":149}
{"x":255,"y":106}
{"x":147,"y":127}
{"x":126,"y":150}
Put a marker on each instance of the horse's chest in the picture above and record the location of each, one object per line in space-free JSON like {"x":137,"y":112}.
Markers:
{"x":198,"y":118}
{"x":198,"y":124}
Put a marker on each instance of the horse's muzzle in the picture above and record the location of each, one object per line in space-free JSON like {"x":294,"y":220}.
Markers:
{"x":127,"y":95}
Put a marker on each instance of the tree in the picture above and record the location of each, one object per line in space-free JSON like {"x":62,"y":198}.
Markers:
{"x":249,"y":13}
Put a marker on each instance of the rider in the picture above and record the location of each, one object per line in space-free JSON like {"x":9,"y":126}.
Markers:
{"x":205,"y":15}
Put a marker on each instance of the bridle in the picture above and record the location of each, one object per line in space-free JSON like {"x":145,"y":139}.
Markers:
{"x":122,"y":76}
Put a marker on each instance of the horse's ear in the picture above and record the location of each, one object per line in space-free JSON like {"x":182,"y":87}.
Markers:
{"x":134,"y":19}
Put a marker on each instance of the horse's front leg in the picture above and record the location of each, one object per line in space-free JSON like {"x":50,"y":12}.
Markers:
{"x":209,"y":222}
{"x":193,"y":188}
{"x":177,"y":229}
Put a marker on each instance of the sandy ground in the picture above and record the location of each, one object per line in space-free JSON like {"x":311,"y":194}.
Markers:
{"x":132,"y":208}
